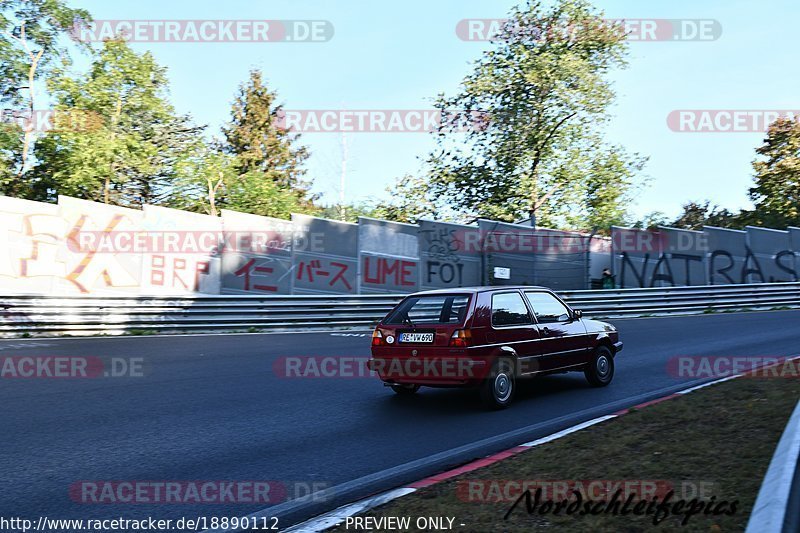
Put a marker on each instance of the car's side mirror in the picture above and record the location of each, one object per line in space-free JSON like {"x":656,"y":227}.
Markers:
{"x":577,"y":313}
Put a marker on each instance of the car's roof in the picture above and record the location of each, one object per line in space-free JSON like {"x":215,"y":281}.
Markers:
{"x":474,"y":290}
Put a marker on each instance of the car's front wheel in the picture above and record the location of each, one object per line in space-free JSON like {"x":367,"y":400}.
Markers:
{"x":497,"y":390}
{"x":405,"y":390}
{"x":600,"y":370}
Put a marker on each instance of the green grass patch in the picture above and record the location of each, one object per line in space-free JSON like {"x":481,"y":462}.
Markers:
{"x":715,"y":443}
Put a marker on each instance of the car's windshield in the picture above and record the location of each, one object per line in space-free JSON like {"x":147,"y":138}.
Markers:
{"x":444,"y":309}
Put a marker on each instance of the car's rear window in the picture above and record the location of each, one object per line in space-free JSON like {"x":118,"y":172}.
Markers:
{"x":418,"y":310}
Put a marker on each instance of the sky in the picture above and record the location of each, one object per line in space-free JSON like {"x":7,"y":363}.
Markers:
{"x":400,"y":55}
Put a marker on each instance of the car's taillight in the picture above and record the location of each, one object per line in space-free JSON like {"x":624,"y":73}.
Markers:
{"x":377,"y":338}
{"x":461,"y":338}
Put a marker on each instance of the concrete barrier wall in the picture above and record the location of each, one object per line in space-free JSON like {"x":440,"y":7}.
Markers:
{"x":78,"y":247}
{"x":509,"y":253}
{"x":258,"y":257}
{"x":324,"y":256}
{"x":669,"y":257}
{"x":446,"y":257}
{"x":388,"y":257}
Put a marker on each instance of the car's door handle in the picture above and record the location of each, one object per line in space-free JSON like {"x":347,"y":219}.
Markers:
{"x":546,"y":331}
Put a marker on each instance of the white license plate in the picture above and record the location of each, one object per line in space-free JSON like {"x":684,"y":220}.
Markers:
{"x":420,"y":338}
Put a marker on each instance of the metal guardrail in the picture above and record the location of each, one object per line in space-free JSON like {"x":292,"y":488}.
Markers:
{"x":777,"y":507}
{"x":151,"y":314}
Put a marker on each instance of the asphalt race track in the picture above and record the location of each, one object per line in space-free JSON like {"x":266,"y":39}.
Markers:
{"x":212,"y":408}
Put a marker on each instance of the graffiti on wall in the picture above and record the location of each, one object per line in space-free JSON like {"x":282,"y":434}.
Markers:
{"x":446,"y":260}
{"x":78,"y":247}
{"x":388,"y":257}
{"x":256,"y":255}
{"x":94,"y":261}
{"x":324,"y":256}
{"x":668,"y":257}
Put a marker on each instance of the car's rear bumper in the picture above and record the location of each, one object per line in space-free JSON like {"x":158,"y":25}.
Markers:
{"x":441,"y":371}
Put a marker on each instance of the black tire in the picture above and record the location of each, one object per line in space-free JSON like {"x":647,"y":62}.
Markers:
{"x":498,"y":389}
{"x":600,"y":370}
{"x":405,"y":390}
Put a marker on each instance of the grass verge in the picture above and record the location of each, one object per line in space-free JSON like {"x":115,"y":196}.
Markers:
{"x":714,"y":444}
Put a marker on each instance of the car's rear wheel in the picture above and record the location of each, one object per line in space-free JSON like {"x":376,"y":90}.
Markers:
{"x":405,"y":390}
{"x":600,"y":370}
{"x":497,"y":389}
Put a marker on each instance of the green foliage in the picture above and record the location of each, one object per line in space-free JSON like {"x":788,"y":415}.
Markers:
{"x":599,"y":191}
{"x":776,"y":193}
{"x":698,"y":214}
{"x":10,"y":151}
{"x":128,"y":154}
{"x":410,"y":201}
{"x":209,"y":180}
{"x":347,"y":212}
{"x":31,"y":42}
{"x":201,"y":177}
{"x":260,"y":145}
{"x":256,"y":169}
{"x":255,"y":193}
{"x":652,"y":219}
{"x":38,"y":25}
{"x":542,"y":93}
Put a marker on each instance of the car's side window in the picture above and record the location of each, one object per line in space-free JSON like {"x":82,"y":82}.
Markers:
{"x":547,"y":307}
{"x":508,"y":309}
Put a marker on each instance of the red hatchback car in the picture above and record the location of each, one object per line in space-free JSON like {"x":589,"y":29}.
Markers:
{"x":488,"y":337}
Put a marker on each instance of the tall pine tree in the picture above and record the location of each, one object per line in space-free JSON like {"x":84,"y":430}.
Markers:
{"x":269,"y":161}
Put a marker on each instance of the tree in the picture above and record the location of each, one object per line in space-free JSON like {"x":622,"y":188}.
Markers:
{"x":31,"y":27}
{"x":698,"y":214}
{"x":263,"y":148}
{"x":201,"y":180}
{"x":128,"y":155}
{"x":10,"y":159}
{"x":251,"y":193}
{"x":694,"y":215}
{"x":598,"y":192}
{"x":541,"y":95}
{"x":776,"y":193}
{"x":30,"y":35}
{"x":651,"y":220}
{"x":255,"y":169}
{"x":410,"y":201}
{"x":209,"y":179}
{"x":347,"y":212}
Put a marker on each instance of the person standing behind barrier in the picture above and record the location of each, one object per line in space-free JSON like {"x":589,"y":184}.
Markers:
{"x":608,"y":279}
